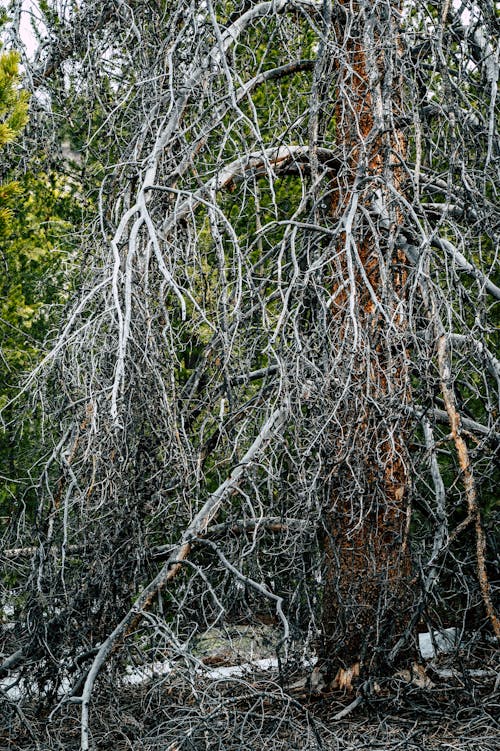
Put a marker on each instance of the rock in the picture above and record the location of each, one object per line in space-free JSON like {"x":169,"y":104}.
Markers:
{"x":443,"y":641}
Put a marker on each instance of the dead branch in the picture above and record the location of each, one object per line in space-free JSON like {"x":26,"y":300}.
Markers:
{"x":474,"y":512}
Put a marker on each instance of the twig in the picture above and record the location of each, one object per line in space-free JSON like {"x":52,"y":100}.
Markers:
{"x":347,"y":710}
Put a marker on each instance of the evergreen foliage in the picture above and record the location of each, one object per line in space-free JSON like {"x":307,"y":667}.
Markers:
{"x":38,"y":213}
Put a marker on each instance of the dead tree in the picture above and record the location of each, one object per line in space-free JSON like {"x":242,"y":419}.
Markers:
{"x":274,"y":399}
{"x":367,"y":597}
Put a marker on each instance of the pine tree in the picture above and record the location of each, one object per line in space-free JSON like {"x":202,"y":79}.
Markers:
{"x":275,"y":394}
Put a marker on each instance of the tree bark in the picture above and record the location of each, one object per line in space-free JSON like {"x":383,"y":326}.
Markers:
{"x":367,"y":564}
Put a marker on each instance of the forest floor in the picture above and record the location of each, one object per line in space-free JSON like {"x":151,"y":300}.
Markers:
{"x":447,"y":708}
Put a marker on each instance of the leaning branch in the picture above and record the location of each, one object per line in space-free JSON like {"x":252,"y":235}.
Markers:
{"x":474,"y":513}
{"x":196,"y":528}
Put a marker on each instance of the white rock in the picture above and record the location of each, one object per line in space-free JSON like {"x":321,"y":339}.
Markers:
{"x":441,"y":642}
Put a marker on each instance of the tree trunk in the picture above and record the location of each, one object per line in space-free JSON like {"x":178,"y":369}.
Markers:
{"x":366,"y":595}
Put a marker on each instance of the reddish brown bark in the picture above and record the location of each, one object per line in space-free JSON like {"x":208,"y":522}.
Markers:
{"x":367,"y":563}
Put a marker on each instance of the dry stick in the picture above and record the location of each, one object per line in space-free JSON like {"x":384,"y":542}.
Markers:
{"x":441,"y":534}
{"x":455,"y":422}
{"x":197,"y":527}
{"x":465,"y":265}
{"x":441,"y":416}
{"x":237,"y":527}
{"x":474,"y":513}
{"x":347,"y":710}
{"x":254,"y":585}
{"x":12,"y":553}
{"x":240,"y":526}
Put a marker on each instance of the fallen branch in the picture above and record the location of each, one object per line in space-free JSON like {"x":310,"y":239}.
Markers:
{"x":12,"y":553}
{"x":347,"y":710}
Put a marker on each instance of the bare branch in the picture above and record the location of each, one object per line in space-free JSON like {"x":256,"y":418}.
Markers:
{"x":196,"y":528}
